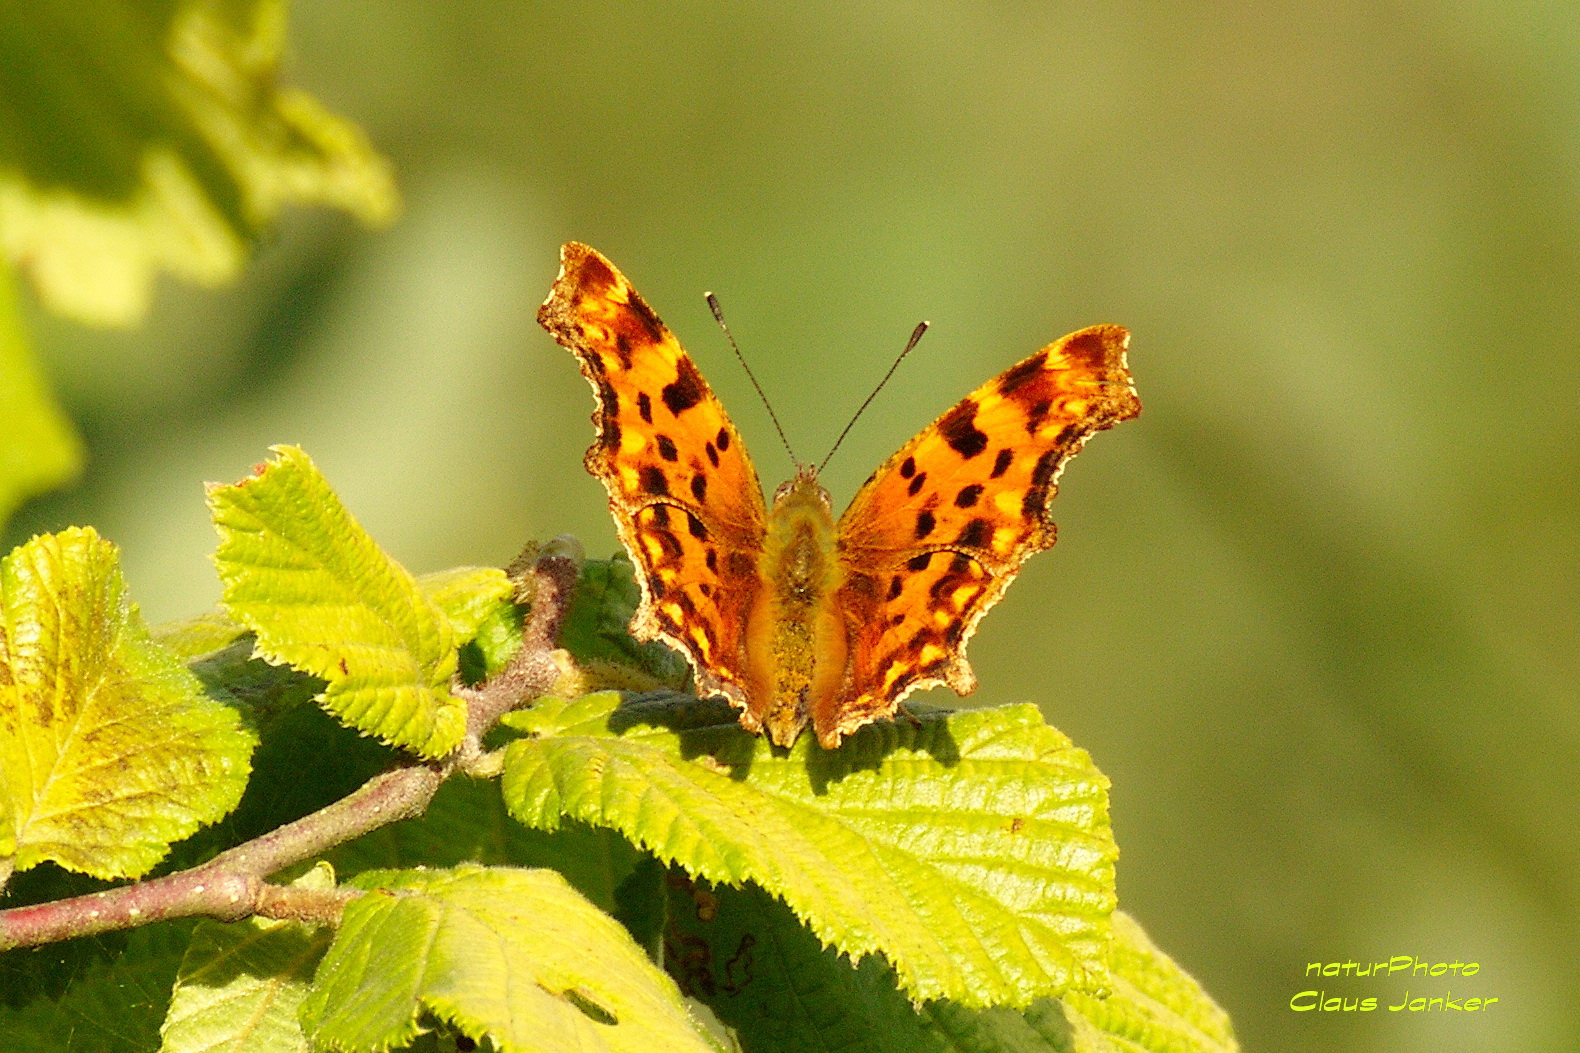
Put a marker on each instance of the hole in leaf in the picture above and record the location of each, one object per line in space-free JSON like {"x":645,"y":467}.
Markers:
{"x":590,"y":1009}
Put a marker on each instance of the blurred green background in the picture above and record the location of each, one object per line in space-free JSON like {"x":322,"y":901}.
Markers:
{"x":1315,"y":613}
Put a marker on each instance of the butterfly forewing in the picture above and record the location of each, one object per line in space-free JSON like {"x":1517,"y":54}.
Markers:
{"x":684,"y":495}
{"x":931,"y":541}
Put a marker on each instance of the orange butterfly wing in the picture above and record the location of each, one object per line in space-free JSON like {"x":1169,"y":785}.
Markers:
{"x":685,"y":497}
{"x":933,"y":539}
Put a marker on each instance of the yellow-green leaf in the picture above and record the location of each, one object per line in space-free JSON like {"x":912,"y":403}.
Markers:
{"x":763,"y":974}
{"x":466,"y":595}
{"x":241,"y":984}
{"x":971,"y":848}
{"x":323,"y":597}
{"x":109,"y":750}
{"x":517,"y":955}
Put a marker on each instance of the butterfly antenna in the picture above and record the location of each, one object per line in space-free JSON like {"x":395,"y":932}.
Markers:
{"x":718,"y":314}
{"x":910,"y":345}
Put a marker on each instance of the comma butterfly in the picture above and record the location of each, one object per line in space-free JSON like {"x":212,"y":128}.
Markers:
{"x":791,"y":617}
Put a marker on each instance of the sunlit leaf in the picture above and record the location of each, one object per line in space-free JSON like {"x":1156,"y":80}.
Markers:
{"x":466,"y":595}
{"x":517,"y":955}
{"x":197,"y":636}
{"x":745,"y":955}
{"x":323,"y":597}
{"x":241,"y":984}
{"x":109,"y":749}
{"x":971,"y":848}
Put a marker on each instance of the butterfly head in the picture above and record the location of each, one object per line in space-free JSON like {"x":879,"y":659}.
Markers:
{"x":802,"y":490}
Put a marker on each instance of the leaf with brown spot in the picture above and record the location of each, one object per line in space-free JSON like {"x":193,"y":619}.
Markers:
{"x":109,"y":748}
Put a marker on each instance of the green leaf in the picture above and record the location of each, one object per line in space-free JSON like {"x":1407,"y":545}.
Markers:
{"x":39,"y":450}
{"x":140,"y":135}
{"x":595,"y":632}
{"x":241,"y":985}
{"x":323,"y":597}
{"x":744,"y":954}
{"x":466,"y":595}
{"x":1156,"y":1006}
{"x":192,"y":638}
{"x":516,"y":955}
{"x":113,"y":1003}
{"x":466,"y":822}
{"x":971,"y":848}
{"x":109,"y":750}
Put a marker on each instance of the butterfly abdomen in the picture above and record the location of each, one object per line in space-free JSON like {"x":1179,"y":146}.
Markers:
{"x":795,"y":635}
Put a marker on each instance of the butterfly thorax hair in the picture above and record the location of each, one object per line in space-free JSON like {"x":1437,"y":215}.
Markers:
{"x":795,"y":634}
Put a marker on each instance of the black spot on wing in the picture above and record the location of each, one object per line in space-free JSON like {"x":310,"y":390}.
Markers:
{"x":712,"y":560}
{"x":1001,"y":463}
{"x":644,"y":406}
{"x":1038,"y":414}
{"x":959,"y":429}
{"x":655,"y":585}
{"x":699,"y":487}
{"x":975,"y":533}
{"x":622,"y":347}
{"x":968,"y":495}
{"x":919,"y":563}
{"x":722,"y":439}
{"x":917,"y":482}
{"x":908,"y":468}
{"x":1087,"y":349}
{"x":713,"y":454}
{"x":653,"y":481}
{"x":661,"y":515}
{"x":651,"y":326}
{"x":960,"y":564}
{"x":896,"y":584}
{"x":1015,"y":376}
{"x":669,"y":543}
{"x":666,"y":448}
{"x":609,"y":419}
{"x":1036,"y":499}
{"x":924,"y":525}
{"x":686,"y":389}
{"x":696,"y":528}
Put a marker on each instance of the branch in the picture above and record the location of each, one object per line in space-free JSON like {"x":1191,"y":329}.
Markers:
{"x":232,"y":885}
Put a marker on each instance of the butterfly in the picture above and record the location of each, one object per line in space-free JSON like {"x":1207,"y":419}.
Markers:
{"x":792,"y":617}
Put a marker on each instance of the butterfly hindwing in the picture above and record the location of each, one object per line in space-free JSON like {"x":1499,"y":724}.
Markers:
{"x":933,"y":539}
{"x":684,"y":495}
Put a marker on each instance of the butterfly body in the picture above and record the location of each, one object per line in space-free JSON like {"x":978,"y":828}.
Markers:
{"x":795,"y":633}
{"x":795,"y":618}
